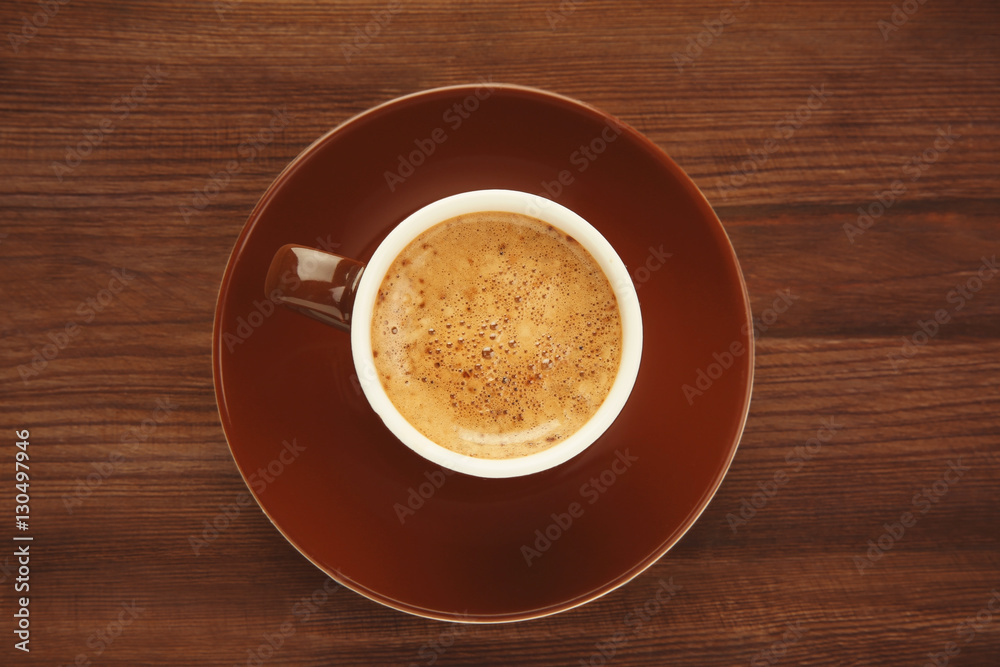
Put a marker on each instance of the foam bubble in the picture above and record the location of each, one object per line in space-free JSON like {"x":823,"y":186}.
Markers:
{"x":503,"y":400}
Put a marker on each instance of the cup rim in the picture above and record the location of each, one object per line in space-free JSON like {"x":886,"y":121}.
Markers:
{"x":547,"y":211}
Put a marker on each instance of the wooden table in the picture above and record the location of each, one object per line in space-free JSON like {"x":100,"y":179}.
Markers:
{"x":851,"y":151}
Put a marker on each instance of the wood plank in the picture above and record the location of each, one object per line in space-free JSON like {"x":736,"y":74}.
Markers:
{"x":904,"y":414}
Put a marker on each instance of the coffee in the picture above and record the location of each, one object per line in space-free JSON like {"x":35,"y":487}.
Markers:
{"x":496,"y":335}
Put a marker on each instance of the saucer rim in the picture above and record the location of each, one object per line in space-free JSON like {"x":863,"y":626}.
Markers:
{"x":690,"y":188}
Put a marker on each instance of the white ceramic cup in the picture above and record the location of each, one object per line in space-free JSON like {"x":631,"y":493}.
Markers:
{"x":342,"y":292}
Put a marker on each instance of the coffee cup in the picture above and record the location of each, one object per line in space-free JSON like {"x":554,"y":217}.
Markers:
{"x":496,"y":333}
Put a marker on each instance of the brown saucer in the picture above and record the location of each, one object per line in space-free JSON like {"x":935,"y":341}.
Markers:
{"x":389,"y":524}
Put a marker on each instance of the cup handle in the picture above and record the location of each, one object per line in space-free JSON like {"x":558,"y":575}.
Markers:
{"x":315,"y":283}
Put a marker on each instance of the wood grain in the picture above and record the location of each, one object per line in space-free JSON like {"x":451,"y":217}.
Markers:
{"x":836,"y":354}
